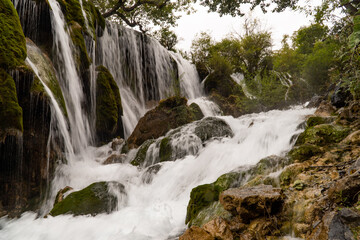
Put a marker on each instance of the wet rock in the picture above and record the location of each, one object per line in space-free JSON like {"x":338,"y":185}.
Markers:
{"x":108,"y":107}
{"x":196,"y":233}
{"x":219,"y":229}
{"x":341,"y":96}
{"x":211,"y":127}
{"x":325,"y":109}
{"x":140,"y":157}
{"x":252,"y":202}
{"x":323,"y":134}
{"x":343,"y":224}
{"x":353,"y":138}
{"x":93,"y":200}
{"x":304,"y":152}
{"x":60,"y":195}
{"x":346,"y":190}
{"x":209,"y":213}
{"x":115,"y":158}
{"x":169,"y":114}
{"x":150,"y":172}
{"x":117,"y":144}
{"x":315,"y":101}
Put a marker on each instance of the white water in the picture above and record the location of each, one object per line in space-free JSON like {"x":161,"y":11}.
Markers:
{"x":157,"y":210}
{"x":69,"y":81}
{"x":240,"y":79}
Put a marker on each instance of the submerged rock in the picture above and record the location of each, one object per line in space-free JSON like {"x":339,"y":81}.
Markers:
{"x":93,"y":200}
{"x":252,"y":202}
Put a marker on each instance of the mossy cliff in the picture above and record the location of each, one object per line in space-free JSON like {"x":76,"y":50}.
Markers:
{"x":12,"y":39}
{"x":10,"y":111}
{"x":108,"y":107}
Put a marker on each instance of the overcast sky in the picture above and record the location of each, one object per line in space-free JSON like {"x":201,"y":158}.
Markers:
{"x":278,"y":23}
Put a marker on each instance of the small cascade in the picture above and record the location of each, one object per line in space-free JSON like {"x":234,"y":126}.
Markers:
{"x":69,"y":81}
{"x":208,"y":108}
{"x":240,"y":79}
{"x":188,"y":77}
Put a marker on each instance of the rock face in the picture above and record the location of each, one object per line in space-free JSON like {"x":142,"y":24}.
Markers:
{"x":108,"y":107}
{"x":250,"y":203}
{"x":93,"y":200}
{"x":169,"y":114}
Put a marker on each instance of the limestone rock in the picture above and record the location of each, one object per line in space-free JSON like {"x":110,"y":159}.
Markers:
{"x":219,"y":229}
{"x":196,"y":233}
{"x":115,"y":158}
{"x":325,"y":109}
{"x":117,"y":143}
{"x":252,"y":202}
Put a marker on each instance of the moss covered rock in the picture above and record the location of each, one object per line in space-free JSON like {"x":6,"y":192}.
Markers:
{"x":323,"y":134}
{"x":81,"y":55}
{"x":141,"y":153}
{"x":304,"y":152}
{"x":12,"y":39}
{"x":211,"y":127}
{"x":169,"y":114}
{"x":195,"y":109}
{"x":108,"y":107}
{"x":316,"y":120}
{"x":46,"y":72}
{"x":10,"y":111}
{"x":93,"y":200}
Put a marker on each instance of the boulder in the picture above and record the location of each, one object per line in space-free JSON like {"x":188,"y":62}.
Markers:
{"x":219,"y":229}
{"x":196,"y":233}
{"x":325,"y":109}
{"x":252,"y":202}
{"x":304,"y":152}
{"x":108,"y":107}
{"x":93,"y":200}
{"x":169,"y":114}
{"x":344,"y":224}
{"x":115,"y":158}
{"x":323,"y":134}
{"x":341,"y":96}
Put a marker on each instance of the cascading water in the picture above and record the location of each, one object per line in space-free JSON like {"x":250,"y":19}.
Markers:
{"x":156,"y":210}
{"x":69,"y":80}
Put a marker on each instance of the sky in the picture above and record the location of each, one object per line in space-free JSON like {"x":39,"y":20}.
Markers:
{"x":219,"y":27}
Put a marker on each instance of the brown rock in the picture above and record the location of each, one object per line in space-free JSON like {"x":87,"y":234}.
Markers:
{"x":170,"y":113}
{"x":196,"y":233}
{"x":60,"y":195}
{"x":325,"y":109}
{"x":353,"y":138}
{"x":115,"y":158}
{"x":346,"y":190}
{"x":252,"y":202}
{"x":117,"y":143}
{"x":219,"y":229}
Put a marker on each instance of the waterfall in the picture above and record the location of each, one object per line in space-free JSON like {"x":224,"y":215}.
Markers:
{"x":69,"y":81}
{"x":156,"y":210}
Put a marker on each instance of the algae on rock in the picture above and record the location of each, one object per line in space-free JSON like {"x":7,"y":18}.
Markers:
{"x":93,"y":200}
{"x":12,"y":39}
{"x":108,"y":107}
{"x":10,"y":111}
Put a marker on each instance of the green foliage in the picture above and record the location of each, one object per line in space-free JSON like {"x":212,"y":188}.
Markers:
{"x":317,"y":65}
{"x":10,"y":111}
{"x":167,"y":38}
{"x":12,"y":39}
{"x":305,"y":38}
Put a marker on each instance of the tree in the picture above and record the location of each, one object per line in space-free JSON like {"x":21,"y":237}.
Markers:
{"x":305,"y":38}
{"x":143,"y":13}
{"x":167,"y":38}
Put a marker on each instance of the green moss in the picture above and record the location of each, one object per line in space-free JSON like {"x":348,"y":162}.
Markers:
{"x":93,"y":200}
{"x":141,"y":154}
{"x":304,"y":152}
{"x":299,"y":185}
{"x":315,"y":120}
{"x":288,"y":175}
{"x":72,"y":11}
{"x":323,"y":134}
{"x":165,"y":151}
{"x":93,"y":15}
{"x":37,"y":86}
{"x":108,"y":106}
{"x":10,"y":111}
{"x":82,"y":57}
{"x":209,"y":213}
{"x":196,"y":111}
{"x":12,"y":39}
{"x":201,"y":197}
